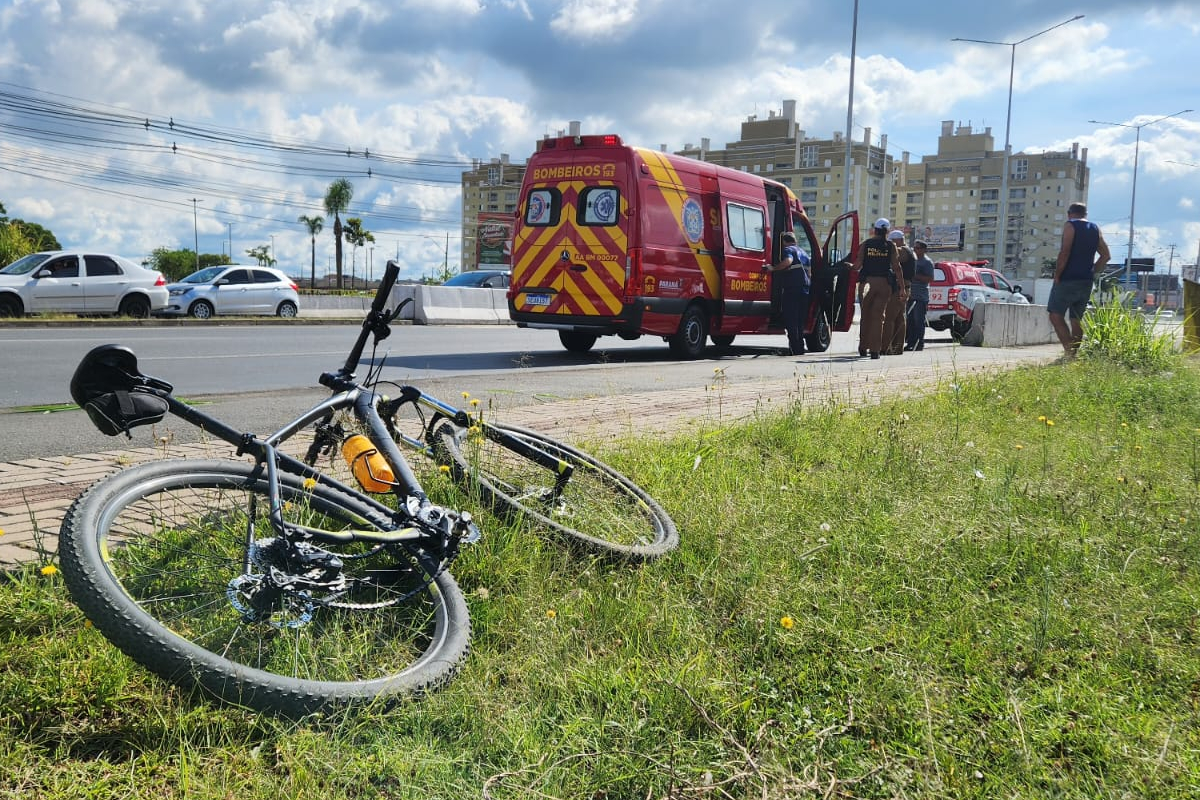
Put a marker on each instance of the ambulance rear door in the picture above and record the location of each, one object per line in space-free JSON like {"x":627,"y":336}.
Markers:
{"x":569,"y":251}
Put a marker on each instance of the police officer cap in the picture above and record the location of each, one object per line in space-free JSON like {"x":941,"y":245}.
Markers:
{"x":882,"y":224}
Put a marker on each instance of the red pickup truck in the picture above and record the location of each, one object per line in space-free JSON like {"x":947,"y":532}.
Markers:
{"x":957,"y":286}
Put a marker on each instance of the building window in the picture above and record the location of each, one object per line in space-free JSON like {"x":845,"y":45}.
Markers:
{"x":1021,"y":169}
{"x":808,"y":155}
{"x":809,"y":181}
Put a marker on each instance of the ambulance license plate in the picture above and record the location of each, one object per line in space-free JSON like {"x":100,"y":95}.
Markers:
{"x":537,"y":299}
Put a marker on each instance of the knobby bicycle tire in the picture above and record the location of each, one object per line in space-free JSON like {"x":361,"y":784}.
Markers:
{"x":153,"y":555}
{"x":599,"y":510}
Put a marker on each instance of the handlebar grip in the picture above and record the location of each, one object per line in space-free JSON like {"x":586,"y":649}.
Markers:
{"x":390,"y":273}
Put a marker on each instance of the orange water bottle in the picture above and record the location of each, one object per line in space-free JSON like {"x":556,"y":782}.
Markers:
{"x":368,"y":465}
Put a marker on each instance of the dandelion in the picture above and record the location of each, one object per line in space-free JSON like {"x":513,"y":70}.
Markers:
{"x":787,"y":623}
{"x":1,"y":531}
{"x":466,"y":395}
{"x":1121,"y":479}
{"x":1137,"y":447}
{"x":1018,"y":447}
{"x":49,"y":570}
{"x":551,"y":613}
{"x":1124,"y":424}
{"x":1042,"y":418}
{"x":87,"y":623}
{"x":309,"y":483}
{"x":1049,"y":423}
{"x":444,"y":469}
{"x":826,"y":527}
{"x":482,"y":593}
{"x":474,"y":402}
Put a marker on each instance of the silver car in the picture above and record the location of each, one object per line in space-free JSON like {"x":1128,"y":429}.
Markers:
{"x":79,"y":282}
{"x":233,"y":289}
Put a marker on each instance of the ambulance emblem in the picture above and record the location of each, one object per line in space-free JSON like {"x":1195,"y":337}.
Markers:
{"x":693,"y":220}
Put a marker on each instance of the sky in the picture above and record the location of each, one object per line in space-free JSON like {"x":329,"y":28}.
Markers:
{"x":129,"y":125}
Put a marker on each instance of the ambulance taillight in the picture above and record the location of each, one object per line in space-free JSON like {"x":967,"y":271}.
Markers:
{"x":633,"y":275}
{"x":611,"y":141}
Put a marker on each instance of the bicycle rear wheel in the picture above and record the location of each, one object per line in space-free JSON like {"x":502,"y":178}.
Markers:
{"x":598,"y":509}
{"x":170,"y":559}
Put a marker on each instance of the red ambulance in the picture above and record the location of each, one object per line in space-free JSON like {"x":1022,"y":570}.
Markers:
{"x":618,"y":240}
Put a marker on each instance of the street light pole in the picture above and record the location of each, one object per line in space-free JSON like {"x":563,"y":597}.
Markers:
{"x":1002,"y":245}
{"x":1137,"y":143}
{"x":196,"y":231}
{"x":850,"y":114}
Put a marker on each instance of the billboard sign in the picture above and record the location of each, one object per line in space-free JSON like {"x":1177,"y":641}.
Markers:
{"x":940,"y":238}
{"x":494,"y":240}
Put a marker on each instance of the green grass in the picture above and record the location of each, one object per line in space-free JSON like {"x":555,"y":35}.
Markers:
{"x":990,"y":592}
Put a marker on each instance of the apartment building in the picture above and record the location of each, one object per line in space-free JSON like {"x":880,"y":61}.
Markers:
{"x":776,"y":147}
{"x":489,"y":201}
{"x":953,"y":197}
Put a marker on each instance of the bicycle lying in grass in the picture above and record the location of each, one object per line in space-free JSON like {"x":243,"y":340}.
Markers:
{"x":276,"y":584}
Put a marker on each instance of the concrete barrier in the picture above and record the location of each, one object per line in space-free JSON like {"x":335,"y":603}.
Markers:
{"x":448,"y":305}
{"x":1009,"y":325}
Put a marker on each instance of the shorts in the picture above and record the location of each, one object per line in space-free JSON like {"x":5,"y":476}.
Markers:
{"x":1070,"y":296}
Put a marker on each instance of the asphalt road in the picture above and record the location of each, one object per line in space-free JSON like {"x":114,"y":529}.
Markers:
{"x":256,"y":378}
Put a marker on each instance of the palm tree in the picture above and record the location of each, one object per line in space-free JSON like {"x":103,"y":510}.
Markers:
{"x":337,"y":200}
{"x":314,"y":225}
{"x":356,"y":236}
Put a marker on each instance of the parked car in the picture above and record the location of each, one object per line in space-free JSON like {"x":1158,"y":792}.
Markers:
{"x":481,"y":278}
{"x":957,"y":287}
{"x":234,"y":289}
{"x":79,"y":282}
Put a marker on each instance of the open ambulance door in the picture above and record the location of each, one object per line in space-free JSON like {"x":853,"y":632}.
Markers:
{"x":837,"y":281}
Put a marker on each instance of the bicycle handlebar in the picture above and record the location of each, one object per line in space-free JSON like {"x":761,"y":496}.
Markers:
{"x":376,"y":322}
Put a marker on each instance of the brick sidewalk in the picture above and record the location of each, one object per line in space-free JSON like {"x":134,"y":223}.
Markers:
{"x":35,"y":493}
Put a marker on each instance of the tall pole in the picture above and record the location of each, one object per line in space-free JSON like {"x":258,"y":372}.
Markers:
{"x":1137,"y":143}
{"x":196,"y":232}
{"x":272,"y":251}
{"x":230,"y":224}
{"x":850,"y":111}
{"x":1002,"y":245}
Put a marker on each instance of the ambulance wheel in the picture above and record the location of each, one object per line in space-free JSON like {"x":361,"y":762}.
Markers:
{"x":577,"y":342}
{"x":689,"y":342}
{"x":722,"y":342}
{"x":821,"y":337}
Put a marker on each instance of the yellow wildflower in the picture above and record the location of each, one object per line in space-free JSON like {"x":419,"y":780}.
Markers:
{"x":466,"y":395}
{"x":1019,"y":446}
{"x":309,"y":483}
{"x":49,"y":569}
{"x":444,"y":469}
{"x":787,"y":623}
{"x":1050,"y":423}
{"x":551,"y":613}
{"x":474,"y":402}
{"x":1042,"y":418}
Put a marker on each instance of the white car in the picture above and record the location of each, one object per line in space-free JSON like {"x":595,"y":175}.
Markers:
{"x":80,"y":282}
{"x":234,"y":289}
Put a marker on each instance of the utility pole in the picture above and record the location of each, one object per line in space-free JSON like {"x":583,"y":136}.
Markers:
{"x":196,"y":231}
{"x":230,"y":224}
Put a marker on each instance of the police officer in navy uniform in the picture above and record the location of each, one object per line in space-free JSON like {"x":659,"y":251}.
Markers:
{"x":793,"y":280}
{"x":879,"y":274}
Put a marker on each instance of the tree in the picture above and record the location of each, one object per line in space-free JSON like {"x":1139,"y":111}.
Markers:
{"x":314,"y":225}
{"x":178,"y":264}
{"x":337,"y":200}
{"x":356,"y":236}
{"x":262,"y":255}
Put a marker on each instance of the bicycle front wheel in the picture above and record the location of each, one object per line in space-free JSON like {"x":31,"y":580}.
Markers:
{"x":598,"y":509}
{"x":176,"y":563}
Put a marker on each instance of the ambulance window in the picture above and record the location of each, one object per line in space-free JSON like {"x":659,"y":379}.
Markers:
{"x":542,"y":207}
{"x":746,"y":227}
{"x":598,"y":205}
